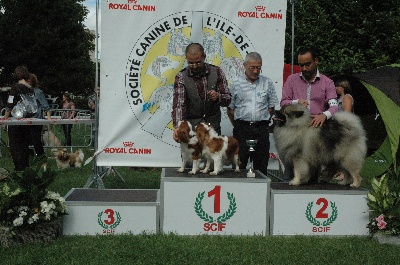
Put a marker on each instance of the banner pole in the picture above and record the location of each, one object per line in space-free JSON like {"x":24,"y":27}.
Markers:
{"x":95,"y":177}
{"x":292,"y":36}
{"x":98,"y":172}
{"x":96,"y":84}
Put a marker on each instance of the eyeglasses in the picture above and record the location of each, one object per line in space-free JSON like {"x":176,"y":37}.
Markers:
{"x":195,"y":64}
{"x":305,"y":64}
{"x":252,"y":68}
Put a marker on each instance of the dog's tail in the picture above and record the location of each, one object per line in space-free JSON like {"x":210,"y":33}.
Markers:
{"x":81,"y":155}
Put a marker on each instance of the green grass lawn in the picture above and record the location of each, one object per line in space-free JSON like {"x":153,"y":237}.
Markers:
{"x":173,"y":249}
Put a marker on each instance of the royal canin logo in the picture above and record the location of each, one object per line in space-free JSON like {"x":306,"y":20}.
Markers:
{"x":132,"y":5}
{"x":260,"y":13}
{"x":127,"y":149}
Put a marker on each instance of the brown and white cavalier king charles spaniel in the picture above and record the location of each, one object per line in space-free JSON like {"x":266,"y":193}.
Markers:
{"x":190,"y":147}
{"x":222,"y":150}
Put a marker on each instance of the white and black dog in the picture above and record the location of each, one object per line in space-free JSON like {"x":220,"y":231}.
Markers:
{"x":339,"y":145}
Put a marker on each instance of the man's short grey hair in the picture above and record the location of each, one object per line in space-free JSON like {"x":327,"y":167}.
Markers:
{"x":253,"y":56}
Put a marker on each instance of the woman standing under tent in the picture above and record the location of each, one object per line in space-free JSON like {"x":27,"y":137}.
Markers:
{"x":345,"y":100}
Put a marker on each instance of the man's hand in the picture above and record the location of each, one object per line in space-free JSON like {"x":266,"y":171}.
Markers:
{"x":303,"y":102}
{"x":213,"y":95}
{"x":175,"y":136}
{"x":318,"y":120}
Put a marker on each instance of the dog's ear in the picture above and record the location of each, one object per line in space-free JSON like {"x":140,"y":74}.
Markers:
{"x":200,"y":133}
{"x":295,"y":114}
{"x":279,"y":119}
{"x":298,"y":114}
{"x":183,"y":132}
{"x":279,"y":115}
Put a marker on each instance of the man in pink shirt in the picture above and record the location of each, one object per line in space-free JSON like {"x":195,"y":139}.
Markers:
{"x":314,"y":91}
{"x":310,"y":88}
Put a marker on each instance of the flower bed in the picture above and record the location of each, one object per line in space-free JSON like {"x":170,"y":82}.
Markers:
{"x":42,"y":232}
{"x":29,"y":212}
{"x":384,"y":204}
{"x":389,"y":225}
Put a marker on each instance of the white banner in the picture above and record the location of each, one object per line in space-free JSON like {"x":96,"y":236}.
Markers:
{"x":143,"y":43}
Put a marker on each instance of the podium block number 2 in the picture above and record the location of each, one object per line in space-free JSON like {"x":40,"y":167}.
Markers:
{"x":321,"y":213}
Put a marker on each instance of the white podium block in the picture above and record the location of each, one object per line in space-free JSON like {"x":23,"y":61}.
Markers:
{"x":111,"y":211}
{"x":228,"y":204}
{"x":320,"y":209}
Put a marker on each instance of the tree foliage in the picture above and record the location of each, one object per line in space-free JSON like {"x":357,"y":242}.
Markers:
{"x":351,"y":35}
{"x":49,"y":37}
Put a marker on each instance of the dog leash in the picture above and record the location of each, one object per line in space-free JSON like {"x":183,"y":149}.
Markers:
{"x":94,"y":155}
{"x":204,"y":118}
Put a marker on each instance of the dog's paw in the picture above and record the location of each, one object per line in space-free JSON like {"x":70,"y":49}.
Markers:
{"x":339,"y":176}
{"x":237,"y":170}
{"x":192,"y":172}
{"x":214,"y":173}
{"x":345,"y":181}
{"x":180,"y":170}
{"x":204,"y":171}
{"x":356,"y":183}
{"x":342,"y":182}
{"x":294,"y":182}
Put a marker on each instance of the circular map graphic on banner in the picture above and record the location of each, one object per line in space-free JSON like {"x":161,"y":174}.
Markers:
{"x":159,"y":54}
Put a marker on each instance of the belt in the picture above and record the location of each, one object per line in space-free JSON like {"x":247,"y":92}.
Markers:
{"x":252,"y":123}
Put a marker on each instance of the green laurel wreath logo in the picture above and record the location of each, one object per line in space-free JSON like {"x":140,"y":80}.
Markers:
{"x":220,"y":219}
{"x":231,"y":209}
{"x":333,"y":216}
{"x":114,"y":225}
{"x":315,"y":222}
{"x":310,"y":217}
{"x":117,"y":222}
{"x":199,"y":209}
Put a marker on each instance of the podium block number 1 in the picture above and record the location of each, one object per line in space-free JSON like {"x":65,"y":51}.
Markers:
{"x":217,"y":199}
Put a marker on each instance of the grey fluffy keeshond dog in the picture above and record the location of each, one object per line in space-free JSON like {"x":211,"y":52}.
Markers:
{"x":339,"y":145}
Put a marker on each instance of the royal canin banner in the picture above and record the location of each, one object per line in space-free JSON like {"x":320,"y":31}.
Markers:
{"x":142,"y":49}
